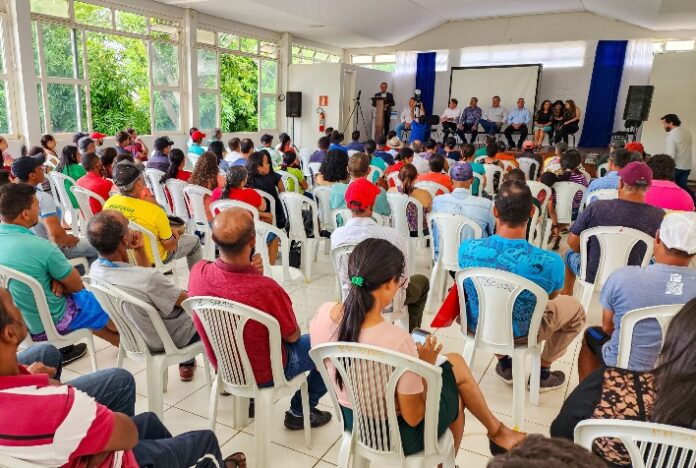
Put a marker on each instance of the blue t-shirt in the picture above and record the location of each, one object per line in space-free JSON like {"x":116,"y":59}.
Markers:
{"x":517,"y":256}
{"x":633,"y":287}
{"x":336,"y":146}
{"x":418,"y":131}
{"x":385,"y":156}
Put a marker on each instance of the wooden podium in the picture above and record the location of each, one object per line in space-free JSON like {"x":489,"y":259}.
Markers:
{"x":379,"y":104}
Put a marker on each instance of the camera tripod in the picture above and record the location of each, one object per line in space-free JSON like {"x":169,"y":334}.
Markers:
{"x":357,"y":112}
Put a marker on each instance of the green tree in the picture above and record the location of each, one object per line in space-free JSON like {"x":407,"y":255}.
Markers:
{"x":239,"y":88}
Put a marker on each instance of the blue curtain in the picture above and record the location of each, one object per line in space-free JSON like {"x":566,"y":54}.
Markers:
{"x":604,"y":90}
{"x":425,"y":79}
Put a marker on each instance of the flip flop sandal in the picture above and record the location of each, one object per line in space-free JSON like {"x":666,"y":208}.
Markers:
{"x":237,"y":459}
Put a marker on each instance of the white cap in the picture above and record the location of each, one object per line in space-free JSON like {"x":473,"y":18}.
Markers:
{"x":678,"y":231}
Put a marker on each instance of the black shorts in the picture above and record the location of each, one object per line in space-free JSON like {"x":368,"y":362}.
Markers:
{"x":595,"y":339}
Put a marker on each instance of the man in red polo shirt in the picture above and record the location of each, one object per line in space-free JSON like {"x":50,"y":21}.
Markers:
{"x":94,"y":181}
{"x":437,"y":165}
{"x":235,"y":276}
{"x":44,"y":421}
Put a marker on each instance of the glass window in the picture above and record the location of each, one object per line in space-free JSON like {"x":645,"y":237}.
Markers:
{"x":4,"y":112}
{"x":268,"y":112}
{"x":37,"y":67}
{"x":58,"y":50}
{"x":50,"y":7}
{"x":42,"y":120}
{"x":362,"y":59}
{"x":239,"y":84}
{"x":119,"y":96}
{"x":308,"y":53}
{"x":62,"y":107}
{"x":164,"y":29}
{"x":130,"y":22}
{"x":205,"y":37}
{"x":207,"y":69}
{"x":249,"y":45}
{"x":228,"y":41}
{"x":166,"y":111}
{"x":269,"y":76}
{"x":207,"y":110}
{"x":268,"y":49}
{"x":385,"y":58}
{"x":92,"y":15}
{"x":385,"y":67}
{"x":165,"y":64}
{"x":671,"y":46}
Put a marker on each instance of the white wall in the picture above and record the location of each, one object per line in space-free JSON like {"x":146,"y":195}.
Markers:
{"x":326,"y":79}
{"x":675,"y":93}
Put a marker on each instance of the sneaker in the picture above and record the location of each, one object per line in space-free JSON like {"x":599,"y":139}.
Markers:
{"x":504,"y":374}
{"x":73,"y":352}
{"x":554,"y":380}
{"x":186,"y":373}
{"x":317,"y":418}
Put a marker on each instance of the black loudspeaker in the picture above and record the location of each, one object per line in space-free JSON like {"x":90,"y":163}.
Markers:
{"x":293,"y":104}
{"x":638,"y":103}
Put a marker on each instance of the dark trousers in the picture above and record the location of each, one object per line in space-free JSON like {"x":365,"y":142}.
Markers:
{"x":523,"y":131}
{"x":387,"y":121}
{"x":113,"y":388}
{"x":681,"y":178}
{"x":157,"y":448}
{"x":447,"y":128}
{"x":416,"y":297}
{"x":468,"y":128}
{"x":563,"y":131}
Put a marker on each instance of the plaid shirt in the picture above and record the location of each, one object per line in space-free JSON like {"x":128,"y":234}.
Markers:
{"x":470,"y":116}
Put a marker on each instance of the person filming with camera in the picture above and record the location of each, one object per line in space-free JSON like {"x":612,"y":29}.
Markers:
{"x":410,"y":113}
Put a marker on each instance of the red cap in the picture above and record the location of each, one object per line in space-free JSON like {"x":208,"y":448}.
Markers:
{"x":636,"y":173}
{"x":635,"y":146}
{"x":97,"y":136}
{"x":361,"y":194}
{"x":197,"y":135}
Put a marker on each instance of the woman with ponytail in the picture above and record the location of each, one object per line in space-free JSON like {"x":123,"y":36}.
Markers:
{"x":408,"y":175}
{"x":177,"y":161}
{"x":291,"y":165}
{"x":375,"y":271}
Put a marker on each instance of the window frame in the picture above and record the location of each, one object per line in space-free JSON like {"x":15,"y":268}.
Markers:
{"x":298,"y":57}
{"x":258,"y":57}
{"x":8,"y":76}
{"x":43,"y":80}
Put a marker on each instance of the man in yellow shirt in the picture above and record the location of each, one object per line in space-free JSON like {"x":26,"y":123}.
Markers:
{"x":129,"y":180}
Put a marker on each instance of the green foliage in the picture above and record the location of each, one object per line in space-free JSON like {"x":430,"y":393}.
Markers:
{"x":239,"y":84}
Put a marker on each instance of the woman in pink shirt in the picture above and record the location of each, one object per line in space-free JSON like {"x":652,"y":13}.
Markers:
{"x":664,"y":193}
{"x":375,"y":269}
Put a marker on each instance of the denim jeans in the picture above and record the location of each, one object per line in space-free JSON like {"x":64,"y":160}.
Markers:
{"x":681,"y":178}
{"x":298,"y":363}
{"x":157,"y":448}
{"x":113,"y":388}
{"x":82,"y":249}
{"x":399,"y":130}
{"x":489,"y":127}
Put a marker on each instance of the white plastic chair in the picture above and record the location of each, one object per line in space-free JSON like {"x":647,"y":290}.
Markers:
{"x":224,"y":323}
{"x":603,"y":194}
{"x":195,"y":197}
{"x":7,"y":275}
{"x":497,"y":292}
{"x":602,"y":169}
{"x":544,"y":227}
{"x":352,"y":152}
{"x":175,"y":188}
{"x":491,"y":185}
{"x":270,"y":203}
{"x":451,"y":229}
{"x":58,"y":188}
{"x":283,"y":274}
{"x":314,"y":169}
{"x":153,"y":176}
{"x":9,"y":461}
{"x":649,"y":445}
{"x":394,"y":177}
{"x":221,"y":205}
{"x":565,"y":193}
{"x":530,"y":167}
{"x":134,"y":345}
{"x":662,"y":314}
{"x":340,"y":216}
{"x":507,"y":165}
{"x":294,"y":203}
{"x":374,"y":174}
{"x":370,"y":375}
{"x":322,"y":195}
{"x":398,"y":203}
{"x":157,"y":262}
{"x":615,"y":246}
{"x":287,"y":177}
{"x":432,"y":188}
{"x":83,"y":197}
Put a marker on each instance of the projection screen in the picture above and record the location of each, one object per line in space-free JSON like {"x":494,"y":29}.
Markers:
{"x":509,"y":82}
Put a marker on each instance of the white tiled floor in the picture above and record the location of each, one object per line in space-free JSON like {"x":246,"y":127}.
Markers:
{"x":186,"y":403}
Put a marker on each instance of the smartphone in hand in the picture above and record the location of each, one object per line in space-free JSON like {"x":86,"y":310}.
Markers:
{"x":419,"y":335}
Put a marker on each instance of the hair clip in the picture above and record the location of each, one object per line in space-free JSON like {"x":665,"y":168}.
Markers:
{"x":358,"y":281}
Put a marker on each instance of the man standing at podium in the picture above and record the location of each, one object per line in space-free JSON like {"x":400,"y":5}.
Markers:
{"x":388,"y":103}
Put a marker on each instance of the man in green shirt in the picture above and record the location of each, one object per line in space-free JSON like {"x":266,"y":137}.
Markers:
{"x":70,"y":305}
{"x":358,"y":166}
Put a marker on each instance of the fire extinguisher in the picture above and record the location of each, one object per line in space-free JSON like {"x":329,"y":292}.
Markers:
{"x":322,"y":119}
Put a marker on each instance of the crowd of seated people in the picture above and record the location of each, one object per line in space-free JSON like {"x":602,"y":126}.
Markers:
{"x":361,"y":176}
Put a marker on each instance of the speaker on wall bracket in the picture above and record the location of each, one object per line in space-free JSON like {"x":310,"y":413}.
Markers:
{"x":638,"y":102}
{"x":293,"y":104}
